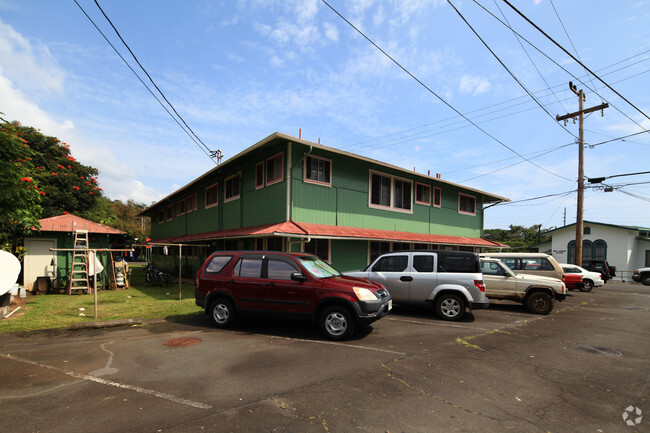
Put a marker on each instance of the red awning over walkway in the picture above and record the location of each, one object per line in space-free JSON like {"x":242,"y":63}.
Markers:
{"x":294,"y":229}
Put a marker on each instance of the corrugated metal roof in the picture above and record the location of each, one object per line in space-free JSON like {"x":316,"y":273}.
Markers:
{"x":64,"y":223}
{"x":299,"y":229}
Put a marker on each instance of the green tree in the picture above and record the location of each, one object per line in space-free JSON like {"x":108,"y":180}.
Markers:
{"x":519,"y":238}
{"x":20,"y":193}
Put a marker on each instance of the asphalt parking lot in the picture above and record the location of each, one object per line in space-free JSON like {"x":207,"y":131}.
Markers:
{"x":583,"y":368}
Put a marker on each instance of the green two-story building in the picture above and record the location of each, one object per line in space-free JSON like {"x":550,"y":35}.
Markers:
{"x":288,"y":194}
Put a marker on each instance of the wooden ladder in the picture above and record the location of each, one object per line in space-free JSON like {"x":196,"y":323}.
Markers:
{"x":79,"y":266}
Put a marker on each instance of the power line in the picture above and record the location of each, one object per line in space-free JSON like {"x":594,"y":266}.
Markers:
{"x":436,"y":95}
{"x":140,"y":79}
{"x":574,"y":59}
{"x":562,"y":67}
{"x":506,"y":68}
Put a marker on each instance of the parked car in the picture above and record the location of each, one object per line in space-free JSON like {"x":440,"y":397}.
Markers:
{"x":451,"y":281}
{"x":535,"y":292}
{"x":589,"y":279}
{"x":642,"y":275}
{"x":530,"y":263}
{"x":573,"y":282}
{"x":607,"y":271}
{"x":234,"y":282}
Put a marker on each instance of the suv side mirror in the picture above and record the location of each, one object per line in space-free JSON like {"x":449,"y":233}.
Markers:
{"x":297,"y":276}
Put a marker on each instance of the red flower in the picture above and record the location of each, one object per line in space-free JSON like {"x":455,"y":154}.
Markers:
{"x":26,"y":179}
{"x":42,"y":193}
{"x":76,"y":188}
{"x":90,"y":192}
{"x":55,"y":174}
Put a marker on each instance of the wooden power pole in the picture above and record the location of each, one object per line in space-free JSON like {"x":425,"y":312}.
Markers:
{"x":581,"y":160}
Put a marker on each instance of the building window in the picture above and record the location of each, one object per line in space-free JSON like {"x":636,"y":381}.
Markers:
{"x":586,"y":230}
{"x":422,"y":194}
{"x":596,"y":250}
{"x":401,"y":246}
{"x":232,"y":188}
{"x":170,"y":212}
{"x":318,"y":247}
{"x":385,"y":190}
{"x":196,"y":201}
{"x":437,"y":197}
{"x":466,"y":204}
{"x":380,"y":190}
{"x":318,"y":170}
{"x":161,"y":216}
{"x":274,"y":170}
{"x":180,"y":208}
{"x":259,"y":175}
{"x":211,"y":195}
{"x":600,"y":250}
{"x":189,"y":204}
{"x":376,"y":249}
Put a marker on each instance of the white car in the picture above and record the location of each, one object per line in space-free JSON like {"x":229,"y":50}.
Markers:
{"x":589,"y":278}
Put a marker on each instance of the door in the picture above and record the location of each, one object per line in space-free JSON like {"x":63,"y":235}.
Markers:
{"x":283,"y":293}
{"x":499,"y":283}
{"x":39,"y":261}
{"x":392,"y":272}
{"x":425,"y":279}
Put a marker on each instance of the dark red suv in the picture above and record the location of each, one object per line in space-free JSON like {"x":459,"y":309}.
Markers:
{"x":233,"y":282}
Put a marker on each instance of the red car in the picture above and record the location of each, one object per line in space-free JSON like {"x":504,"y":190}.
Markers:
{"x":573,"y":281}
{"x":234,"y":282}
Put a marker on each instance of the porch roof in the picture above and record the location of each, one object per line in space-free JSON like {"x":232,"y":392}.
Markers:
{"x":66,"y":222}
{"x":323,"y":231}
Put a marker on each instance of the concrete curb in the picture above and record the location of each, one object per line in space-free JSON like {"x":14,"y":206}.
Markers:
{"x":105,"y":324}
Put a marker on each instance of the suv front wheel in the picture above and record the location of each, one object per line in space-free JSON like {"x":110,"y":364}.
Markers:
{"x":450,"y":306}
{"x":539,"y":303}
{"x":222,"y":313}
{"x":337,"y":323}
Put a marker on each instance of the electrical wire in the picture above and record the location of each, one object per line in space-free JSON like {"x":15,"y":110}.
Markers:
{"x":575,"y":59}
{"x":514,"y":77}
{"x":436,"y":95}
{"x":141,"y":81}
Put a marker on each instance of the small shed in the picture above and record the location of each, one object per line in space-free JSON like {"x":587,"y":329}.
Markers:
{"x":58,"y":232}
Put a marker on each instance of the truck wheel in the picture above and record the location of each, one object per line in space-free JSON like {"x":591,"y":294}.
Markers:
{"x":588,"y":285}
{"x":450,"y":307}
{"x":646,"y":280}
{"x":222,"y":313}
{"x":336,"y":323}
{"x":539,"y":303}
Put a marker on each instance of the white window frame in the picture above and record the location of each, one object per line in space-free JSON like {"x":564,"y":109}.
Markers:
{"x":433,"y":197}
{"x":260,"y":185}
{"x":392,"y":192}
{"x":216,"y":202}
{"x":469,"y":196}
{"x":317,"y":182}
{"x":227,"y":199}
{"x":428,"y":187}
{"x":266,"y":169}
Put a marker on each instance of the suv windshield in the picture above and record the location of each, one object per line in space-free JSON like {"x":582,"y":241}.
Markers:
{"x":317,"y":267}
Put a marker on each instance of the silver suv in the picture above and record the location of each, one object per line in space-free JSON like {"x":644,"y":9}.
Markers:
{"x":449,"y":280}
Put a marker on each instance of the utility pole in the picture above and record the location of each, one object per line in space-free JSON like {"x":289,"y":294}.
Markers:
{"x":581,"y":159}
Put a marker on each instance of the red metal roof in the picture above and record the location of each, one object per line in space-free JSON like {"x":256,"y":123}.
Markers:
{"x":63,"y":223}
{"x":291,"y":228}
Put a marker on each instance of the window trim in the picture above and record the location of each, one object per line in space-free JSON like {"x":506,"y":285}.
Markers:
{"x":227,"y":199}
{"x":463,"y":211}
{"x":169,"y":212}
{"x":266,"y":169}
{"x":433,"y":201}
{"x":428,"y":187}
{"x":189,"y":203}
{"x":317,"y":182}
{"x":216,"y":201}
{"x":392,"y":178}
{"x":178,"y":207}
{"x":258,"y":184}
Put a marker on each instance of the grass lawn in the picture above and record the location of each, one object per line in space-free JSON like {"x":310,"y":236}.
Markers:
{"x":139,"y":301}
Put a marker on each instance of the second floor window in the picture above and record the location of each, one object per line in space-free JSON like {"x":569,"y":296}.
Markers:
{"x":422,"y":193}
{"x":391,"y":192}
{"x":466,"y":204}
{"x":232,"y":188}
{"x":318,"y":170}
{"x":274,"y":169}
{"x":211,"y":195}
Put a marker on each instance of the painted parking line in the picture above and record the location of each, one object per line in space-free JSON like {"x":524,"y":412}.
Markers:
{"x":138,"y":389}
{"x":334,"y":343}
{"x":435,"y":323}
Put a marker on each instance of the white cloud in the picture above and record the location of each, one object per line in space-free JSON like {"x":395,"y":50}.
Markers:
{"x":331,"y":32}
{"x":473,"y":85}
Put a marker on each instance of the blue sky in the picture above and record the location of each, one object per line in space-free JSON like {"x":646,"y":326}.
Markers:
{"x":237,"y":71}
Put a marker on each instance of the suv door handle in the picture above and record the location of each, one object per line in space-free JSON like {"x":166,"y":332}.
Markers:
{"x":406,"y":278}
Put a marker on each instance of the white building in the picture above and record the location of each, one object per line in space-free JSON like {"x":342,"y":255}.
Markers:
{"x":626,"y":247}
